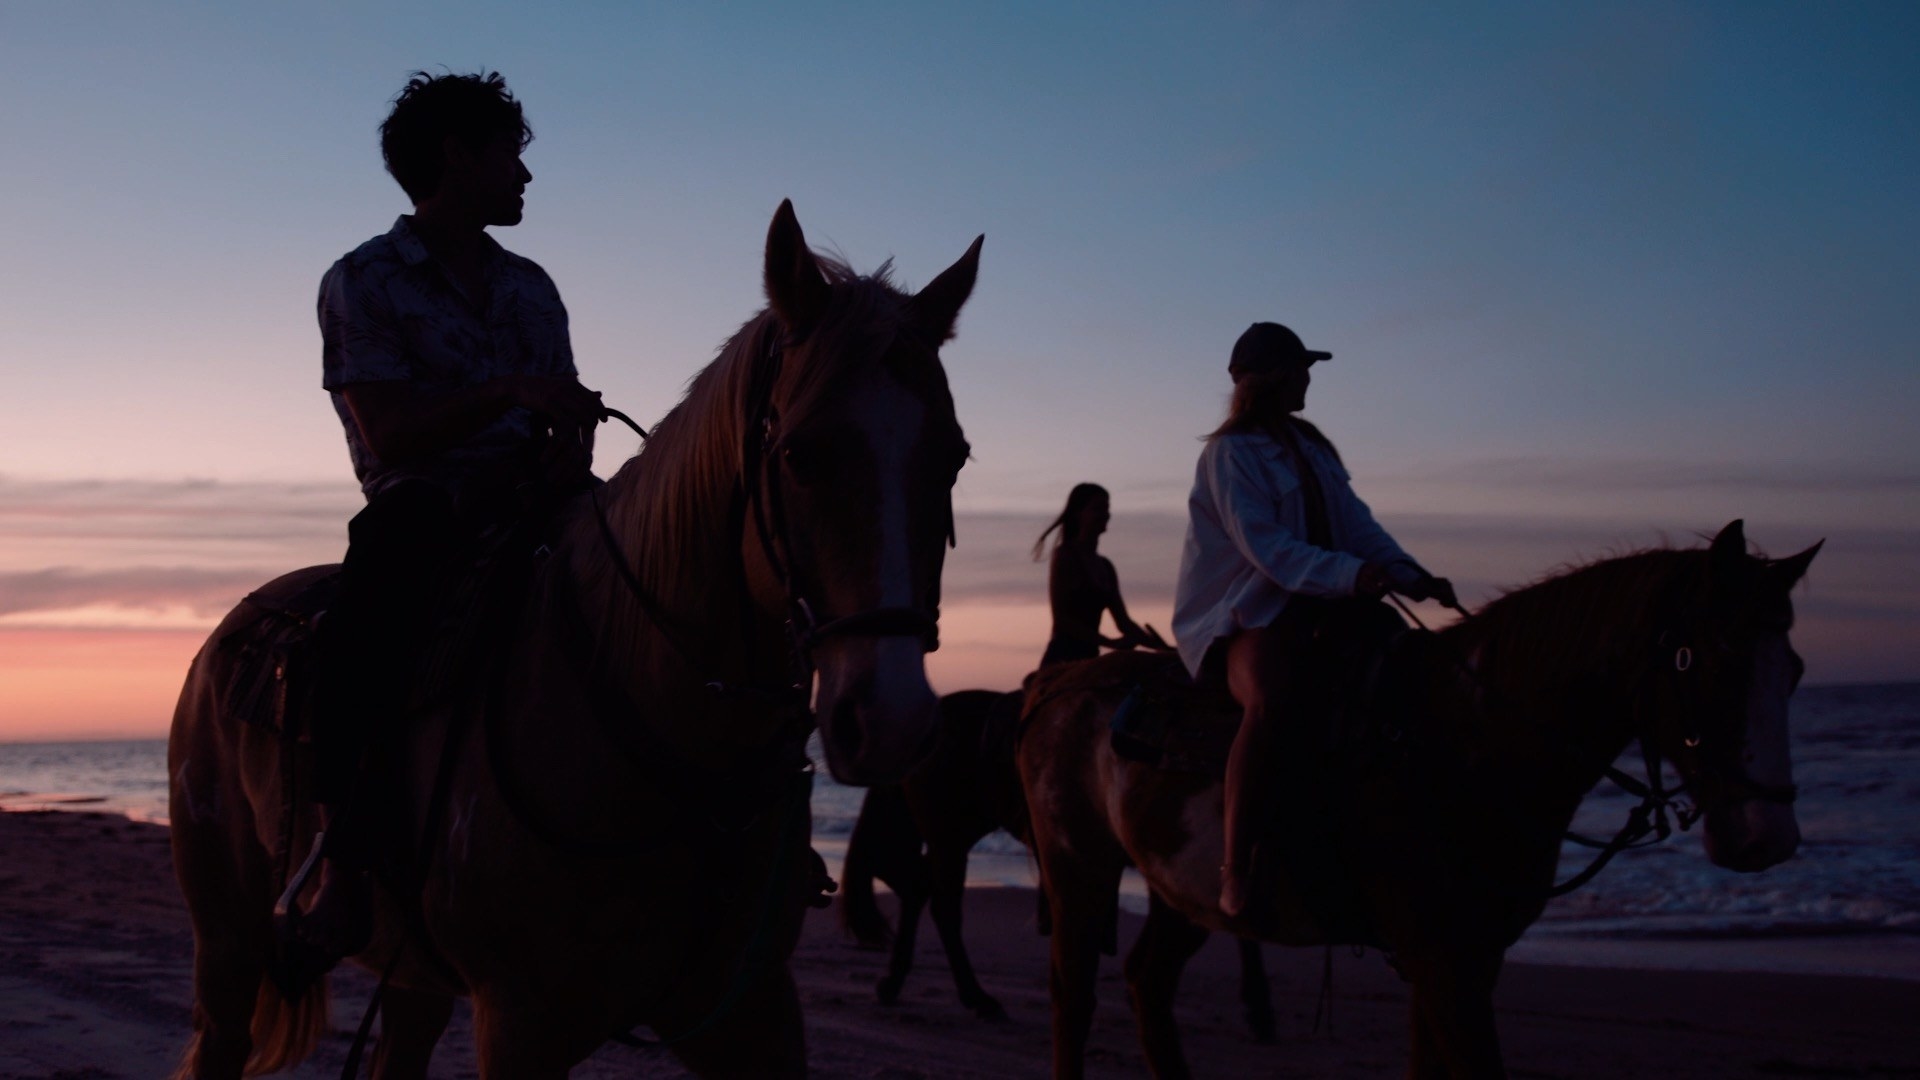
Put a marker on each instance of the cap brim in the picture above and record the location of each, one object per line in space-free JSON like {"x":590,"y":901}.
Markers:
{"x":1315,"y":354}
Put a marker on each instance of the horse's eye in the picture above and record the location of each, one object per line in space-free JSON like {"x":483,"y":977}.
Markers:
{"x":802,"y":461}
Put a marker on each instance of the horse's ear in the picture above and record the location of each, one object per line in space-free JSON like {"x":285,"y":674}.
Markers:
{"x":937,"y":307}
{"x":1729,"y":548}
{"x":1727,"y":573}
{"x":796,"y":290}
{"x":1787,"y":572}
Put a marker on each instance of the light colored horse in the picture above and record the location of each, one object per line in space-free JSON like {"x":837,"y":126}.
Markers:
{"x":624,"y":837}
{"x":1448,"y":843}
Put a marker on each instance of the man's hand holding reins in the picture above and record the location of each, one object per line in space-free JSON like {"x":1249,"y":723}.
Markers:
{"x":569,"y":412}
{"x":1373,"y":580}
{"x":559,"y":398}
{"x":1431,"y":588}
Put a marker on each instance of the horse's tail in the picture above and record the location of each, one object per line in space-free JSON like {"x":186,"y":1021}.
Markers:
{"x":284,"y":1032}
{"x":870,"y":852}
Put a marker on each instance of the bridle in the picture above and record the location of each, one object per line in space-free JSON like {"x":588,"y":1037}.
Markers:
{"x":1675,"y":663}
{"x":758,"y":497}
{"x":1648,"y":822}
{"x":807,"y":627}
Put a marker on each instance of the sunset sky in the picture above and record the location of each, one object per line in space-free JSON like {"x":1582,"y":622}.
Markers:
{"x":1595,"y":276}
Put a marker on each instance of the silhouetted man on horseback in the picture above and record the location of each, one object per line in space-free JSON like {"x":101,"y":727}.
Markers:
{"x":1275,"y":538}
{"x":450,"y":368}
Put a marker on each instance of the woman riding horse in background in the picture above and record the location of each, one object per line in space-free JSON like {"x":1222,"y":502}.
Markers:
{"x":1082,"y":585}
{"x":1275,"y":537}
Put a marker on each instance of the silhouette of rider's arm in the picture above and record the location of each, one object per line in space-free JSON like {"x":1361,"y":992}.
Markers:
{"x":1130,"y":632}
{"x":1252,"y":522}
{"x":402,"y":424}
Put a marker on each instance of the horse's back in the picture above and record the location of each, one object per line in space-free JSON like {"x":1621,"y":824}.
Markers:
{"x":282,"y":596}
{"x":226,"y":647}
{"x":1064,"y":727}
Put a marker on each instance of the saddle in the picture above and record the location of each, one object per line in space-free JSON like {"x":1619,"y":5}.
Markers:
{"x":1360,"y":707}
{"x":1352,"y":720}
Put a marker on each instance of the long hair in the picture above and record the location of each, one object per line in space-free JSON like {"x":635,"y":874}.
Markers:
{"x":1252,"y":409}
{"x":1069,"y":520}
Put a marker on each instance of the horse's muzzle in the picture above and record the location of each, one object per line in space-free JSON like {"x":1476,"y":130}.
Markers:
{"x":878,"y":716}
{"x":1752,"y":835}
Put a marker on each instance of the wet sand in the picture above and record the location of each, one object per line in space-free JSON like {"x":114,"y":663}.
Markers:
{"x":95,"y":985}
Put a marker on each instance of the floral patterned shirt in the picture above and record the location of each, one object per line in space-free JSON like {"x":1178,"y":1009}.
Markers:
{"x":389,"y":312}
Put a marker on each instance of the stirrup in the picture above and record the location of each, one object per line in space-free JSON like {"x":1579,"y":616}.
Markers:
{"x":298,"y":882}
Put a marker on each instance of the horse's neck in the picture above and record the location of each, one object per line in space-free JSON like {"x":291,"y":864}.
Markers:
{"x":674,"y":514}
{"x":1553,"y":729}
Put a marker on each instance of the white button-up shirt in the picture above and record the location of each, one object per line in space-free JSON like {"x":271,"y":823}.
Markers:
{"x":1247,"y":549}
{"x":388,"y":312}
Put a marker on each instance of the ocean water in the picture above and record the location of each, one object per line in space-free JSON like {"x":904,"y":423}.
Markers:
{"x":1853,"y":888}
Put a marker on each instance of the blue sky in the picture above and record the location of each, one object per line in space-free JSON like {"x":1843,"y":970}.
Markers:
{"x":1593,"y":273}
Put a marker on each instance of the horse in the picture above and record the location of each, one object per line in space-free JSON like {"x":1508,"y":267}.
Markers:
{"x":619,"y":830}
{"x":1445,"y":826}
{"x":965,"y":790}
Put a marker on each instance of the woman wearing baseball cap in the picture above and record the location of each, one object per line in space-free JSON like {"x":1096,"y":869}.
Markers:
{"x":1275,"y":535}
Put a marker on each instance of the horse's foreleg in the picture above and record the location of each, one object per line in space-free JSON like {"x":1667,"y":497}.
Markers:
{"x":411,"y":1022}
{"x":1081,"y":897}
{"x":1154,"y":965}
{"x":1453,"y":1026}
{"x":910,"y":887}
{"x":947,"y":864}
{"x":1256,"y":997}
{"x":760,"y":1035}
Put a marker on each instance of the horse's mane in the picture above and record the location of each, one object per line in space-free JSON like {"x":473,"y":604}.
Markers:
{"x":1552,"y":631}
{"x":668,"y":504}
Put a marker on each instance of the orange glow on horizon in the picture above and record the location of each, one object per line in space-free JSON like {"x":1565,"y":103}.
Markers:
{"x":57,"y":685}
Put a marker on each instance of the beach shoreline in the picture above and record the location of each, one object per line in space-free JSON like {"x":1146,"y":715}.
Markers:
{"x":95,"y":957}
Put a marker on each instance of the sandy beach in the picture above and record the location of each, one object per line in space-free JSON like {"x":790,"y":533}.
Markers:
{"x":95,"y":983}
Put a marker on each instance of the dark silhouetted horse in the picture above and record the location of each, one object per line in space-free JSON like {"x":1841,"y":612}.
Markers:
{"x":622,"y":844}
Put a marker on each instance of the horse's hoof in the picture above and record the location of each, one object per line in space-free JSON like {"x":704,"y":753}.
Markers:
{"x":887,"y":990}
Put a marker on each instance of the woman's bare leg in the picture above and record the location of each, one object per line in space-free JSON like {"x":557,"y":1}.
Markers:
{"x":1256,"y":664}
